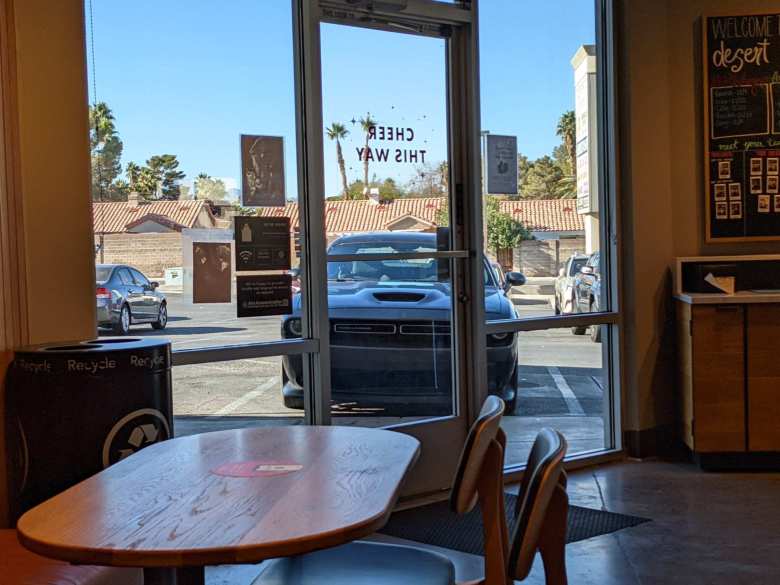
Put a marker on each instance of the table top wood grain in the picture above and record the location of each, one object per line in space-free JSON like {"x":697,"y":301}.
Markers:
{"x":170,"y":504}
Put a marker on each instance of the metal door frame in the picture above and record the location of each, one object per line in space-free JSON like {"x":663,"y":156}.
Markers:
{"x":441,"y":437}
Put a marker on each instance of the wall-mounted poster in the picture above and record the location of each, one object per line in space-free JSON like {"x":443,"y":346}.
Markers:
{"x":262,"y":243}
{"x":741,"y":58}
{"x":211,"y":272}
{"x":501,"y":164}
{"x":262,"y":171}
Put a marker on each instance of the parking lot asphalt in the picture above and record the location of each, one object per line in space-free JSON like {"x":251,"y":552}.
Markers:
{"x":561,"y":380}
{"x":560,"y":372}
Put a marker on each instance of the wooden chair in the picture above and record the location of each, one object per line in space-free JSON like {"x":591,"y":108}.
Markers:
{"x":542,"y":515}
{"x":479,"y":472}
{"x":478,"y":479}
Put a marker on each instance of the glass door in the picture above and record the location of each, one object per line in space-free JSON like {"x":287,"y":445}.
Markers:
{"x":556,"y":224}
{"x":388,"y":178}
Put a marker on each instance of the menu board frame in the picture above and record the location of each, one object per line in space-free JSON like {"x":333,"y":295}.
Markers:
{"x":733,"y":199}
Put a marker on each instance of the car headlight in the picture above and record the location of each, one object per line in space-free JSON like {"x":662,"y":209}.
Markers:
{"x":294,"y":327}
{"x":500,"y":339}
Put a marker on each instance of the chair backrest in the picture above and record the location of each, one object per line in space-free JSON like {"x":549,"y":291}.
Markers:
{"x":463,"y":497}
{"x":541,"y":478}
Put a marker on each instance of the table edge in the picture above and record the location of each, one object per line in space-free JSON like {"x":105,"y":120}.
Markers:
{"x":239,"y":554}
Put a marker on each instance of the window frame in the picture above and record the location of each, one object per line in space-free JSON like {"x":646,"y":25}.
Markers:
{"x":611,"y":317}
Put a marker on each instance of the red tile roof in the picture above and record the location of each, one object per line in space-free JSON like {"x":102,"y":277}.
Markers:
{"x":546,"y":215}
{"x":117,"y":217}
{"x":539,"y":215}
{"x":154,"y":217}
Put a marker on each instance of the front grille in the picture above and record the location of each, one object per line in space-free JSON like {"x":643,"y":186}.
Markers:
{"x":425,"y":329}
{"x":365,"y":328}
{"x":400,"y":334}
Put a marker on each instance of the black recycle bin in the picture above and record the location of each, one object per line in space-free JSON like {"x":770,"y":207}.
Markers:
{"x":74,"y":409}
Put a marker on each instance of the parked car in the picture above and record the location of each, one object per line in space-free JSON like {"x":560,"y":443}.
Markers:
{"x":500,"y":276}
{"x":564,"y":283}
{"x":587,"y":294}
{"x":390,"y":328}
{"x":126,"y":297}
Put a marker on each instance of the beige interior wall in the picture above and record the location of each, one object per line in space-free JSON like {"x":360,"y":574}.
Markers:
{"x":55,"y":168}
{"x":46,"y":254}
{"x":686,"y":123}
{"x":646,"y":197}
{"x":660,"y":88}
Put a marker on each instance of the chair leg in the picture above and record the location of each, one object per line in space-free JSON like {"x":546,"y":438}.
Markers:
{"x":552,"y":540}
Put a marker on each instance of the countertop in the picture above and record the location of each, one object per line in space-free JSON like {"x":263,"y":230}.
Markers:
{"x":740,"y":297}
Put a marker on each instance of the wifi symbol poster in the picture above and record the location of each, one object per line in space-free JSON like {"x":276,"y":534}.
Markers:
{"x":262,"y":243}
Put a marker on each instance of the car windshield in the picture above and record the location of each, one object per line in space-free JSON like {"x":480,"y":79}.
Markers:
{"x":577,"y":264}
{"x":390,"y":269}
{"x":102,"y":273}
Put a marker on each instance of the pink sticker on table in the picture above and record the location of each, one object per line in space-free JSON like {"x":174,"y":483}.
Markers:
{"x":257,"y":468}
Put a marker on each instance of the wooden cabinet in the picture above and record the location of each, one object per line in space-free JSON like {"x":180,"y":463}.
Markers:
{"x":763,"y":377}
{"x":729,"y":377}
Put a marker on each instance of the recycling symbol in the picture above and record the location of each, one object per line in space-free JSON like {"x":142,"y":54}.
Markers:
{"x":140,"y":436}
{"x":133,"y":432}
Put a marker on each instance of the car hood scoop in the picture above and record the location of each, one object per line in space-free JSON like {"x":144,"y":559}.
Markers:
{"x":399,"y":296}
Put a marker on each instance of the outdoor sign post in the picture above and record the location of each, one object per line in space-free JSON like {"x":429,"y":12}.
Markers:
{"x":499,"y":170}
{"x":261,"y":296}
{"x":211,"y":272}
{"x":262,"y":243}
{"x":262,"y":171}
{"x":500,"y":164}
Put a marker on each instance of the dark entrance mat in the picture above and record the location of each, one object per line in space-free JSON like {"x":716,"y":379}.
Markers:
{"x":435,"y":524}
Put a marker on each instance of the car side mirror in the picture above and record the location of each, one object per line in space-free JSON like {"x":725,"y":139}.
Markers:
{"x":586,"y":270}
{"x":154,"y":284}
{"x":514,"y":279}
{"x":562,"y":271}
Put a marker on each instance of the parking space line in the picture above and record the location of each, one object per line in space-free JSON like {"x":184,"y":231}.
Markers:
{"x":239,"y":402}
{"x":572,"y":403}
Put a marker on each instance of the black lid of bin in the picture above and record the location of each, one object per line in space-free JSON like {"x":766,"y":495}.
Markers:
{"x":100,"y":356}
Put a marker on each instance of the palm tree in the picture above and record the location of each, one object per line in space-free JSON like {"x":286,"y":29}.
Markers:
{"x":338,"y":132}
{"x":133,"y":174}
{"x":367,"y":124}
{"x":567,"y":130}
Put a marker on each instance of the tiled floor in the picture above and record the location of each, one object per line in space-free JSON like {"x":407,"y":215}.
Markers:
{"x":707,"y":528}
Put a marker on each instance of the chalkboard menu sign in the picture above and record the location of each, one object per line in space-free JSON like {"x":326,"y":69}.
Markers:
{"x":742,"y":121}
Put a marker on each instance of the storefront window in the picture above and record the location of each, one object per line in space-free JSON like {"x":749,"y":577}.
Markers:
{"x":176,"y":88}
{"x":547,"y":217}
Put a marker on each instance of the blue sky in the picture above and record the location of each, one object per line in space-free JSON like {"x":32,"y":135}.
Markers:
{"x":187,"y":77}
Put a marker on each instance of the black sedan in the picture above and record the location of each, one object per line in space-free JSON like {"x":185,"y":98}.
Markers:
{"x":390,"y":328}
{"x":126,"y":297}
{"x":587,"y":294}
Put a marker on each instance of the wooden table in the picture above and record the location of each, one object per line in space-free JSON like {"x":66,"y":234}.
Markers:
{"x":228,"y":497}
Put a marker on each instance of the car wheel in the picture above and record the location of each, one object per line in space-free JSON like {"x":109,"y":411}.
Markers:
{"x":579,"y":330}
{"x":557,"y":305}
{"x":122,"y":325}
{"x":162,"y":317}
